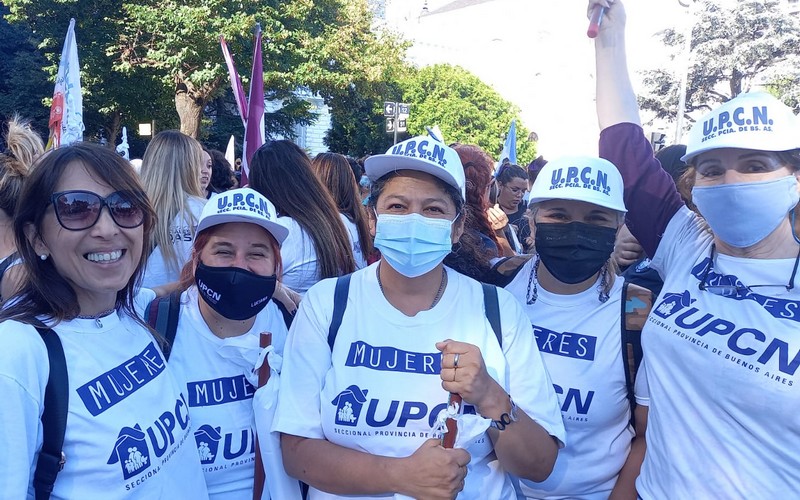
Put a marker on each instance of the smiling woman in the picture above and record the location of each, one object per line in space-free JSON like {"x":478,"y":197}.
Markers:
{"x":80,"y":227}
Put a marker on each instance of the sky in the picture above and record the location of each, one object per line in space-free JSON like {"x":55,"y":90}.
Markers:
{"x":536,"y":54}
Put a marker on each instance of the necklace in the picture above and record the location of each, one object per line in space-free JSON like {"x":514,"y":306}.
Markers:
{"x":438,"y":293}
{"x":96,"y":317}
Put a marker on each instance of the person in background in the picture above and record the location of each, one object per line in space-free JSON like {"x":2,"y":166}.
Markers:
{"x":356,"y":428}
{"x":205,"y":175}
{"x":573,"y":298}
{"x":721,"y":344}
{"x":222,"y":178}
{"x":171,"y":177}
{"x":318,"y":246}
{"x":336,"y":174}
{"x":525,"y":236}
{"x":23,"y":147}
{"x":226,"y":303}
{"x":81,"y":227}
{"x":511,"y":183}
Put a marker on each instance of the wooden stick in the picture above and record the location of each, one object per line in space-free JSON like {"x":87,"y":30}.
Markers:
{"x":449,"y":439}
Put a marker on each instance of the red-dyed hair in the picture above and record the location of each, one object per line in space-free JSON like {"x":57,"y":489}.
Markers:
{"x":478,"y":172}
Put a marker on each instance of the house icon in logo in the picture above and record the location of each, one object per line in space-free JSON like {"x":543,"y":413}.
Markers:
{"x":672,"y":303}
{"x":207,"y":439}
{"x":131,"y":451}
{"x":348,"y":405}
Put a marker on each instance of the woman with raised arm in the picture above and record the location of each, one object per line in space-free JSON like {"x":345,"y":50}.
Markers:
{"x":722,"y":345}
{"x":81,"y":225}
{"x":358,"y":410}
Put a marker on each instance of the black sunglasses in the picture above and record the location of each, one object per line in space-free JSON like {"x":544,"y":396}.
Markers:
{"x":79,"y":210}
{"x":734,"y":290}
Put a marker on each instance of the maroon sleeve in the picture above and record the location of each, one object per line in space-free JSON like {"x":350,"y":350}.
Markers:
{"x":650,"y":193}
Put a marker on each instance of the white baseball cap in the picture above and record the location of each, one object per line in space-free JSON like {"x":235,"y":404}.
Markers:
{"x":581,"y":178}
{"x":422,"y":153}
{"x":753,"y":120}
{"x":242,"y":205}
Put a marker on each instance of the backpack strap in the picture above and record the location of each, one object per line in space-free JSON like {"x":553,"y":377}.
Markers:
{"x":339,"y":305}
{"x":54,"y":417}
{"x":162,"y":315}
{"x":637,"y":302}
{"x":7,"y":263}
{"x":492,"y":308}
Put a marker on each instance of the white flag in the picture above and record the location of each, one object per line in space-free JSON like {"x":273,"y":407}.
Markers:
{"x":66,"y":112}
{"x":123,"y":148}
{"x":230,"y":153}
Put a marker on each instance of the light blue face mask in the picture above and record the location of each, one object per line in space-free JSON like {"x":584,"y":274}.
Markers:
{"x":412,"y":244}
{"x":743,"y":214}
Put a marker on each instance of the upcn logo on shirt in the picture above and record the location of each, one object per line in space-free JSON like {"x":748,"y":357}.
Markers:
{"x":234,"y":444}
{"x":141,"y":452}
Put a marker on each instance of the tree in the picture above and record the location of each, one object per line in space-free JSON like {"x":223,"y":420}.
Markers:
{"x":110,"y":98}
{"x":735,"y":45}
{"x":322,"y":45}
{"x":465,"y":109}
{"x":21,"y":66}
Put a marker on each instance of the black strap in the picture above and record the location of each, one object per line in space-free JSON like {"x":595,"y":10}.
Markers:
{"x":339,"y":305}
{"x":342,"y":289}
{"x":492,"y":307}
{"x":162,"y":315}
{"x":7,"y":263}
{"x":631,"y":324}
{"x":54,"y":417}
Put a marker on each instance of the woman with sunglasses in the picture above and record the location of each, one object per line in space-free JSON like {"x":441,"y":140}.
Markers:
{"x":80,"y":227}
{"x":358,"y":406}
{"x":722,"y":345}
{"x":227,"y":288}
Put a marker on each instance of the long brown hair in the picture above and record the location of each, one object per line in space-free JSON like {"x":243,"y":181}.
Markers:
{"x":44,"y":292}
{"x":336,"y":174}
{"x":281,"y":171}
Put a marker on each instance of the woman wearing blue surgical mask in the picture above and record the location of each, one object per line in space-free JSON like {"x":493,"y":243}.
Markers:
{"x":573,"y":298}
{"x":372,"y":359}
{"x":225,"y":305}
{"x":722,"y":345}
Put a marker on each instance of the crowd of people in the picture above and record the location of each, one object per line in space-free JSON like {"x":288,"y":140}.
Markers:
{"x":415,"y":324}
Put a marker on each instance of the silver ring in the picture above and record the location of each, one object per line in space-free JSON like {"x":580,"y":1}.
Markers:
{"x":455,"y":360}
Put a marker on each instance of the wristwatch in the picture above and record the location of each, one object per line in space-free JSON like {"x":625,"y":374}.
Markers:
{"x":506,"y":418}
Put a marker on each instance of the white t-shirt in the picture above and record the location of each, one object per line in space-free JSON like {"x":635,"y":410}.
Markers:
{"x":379,"y":391}
{"x":212,"y":371}
{"x":299,"y":258}
{"x":355,"y":242}
{"x":580,"y":341}
{"x":128,"y":433}
{"x":157,"y":272}
{"x":724,"y":416}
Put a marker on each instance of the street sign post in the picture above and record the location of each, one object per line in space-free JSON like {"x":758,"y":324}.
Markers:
{"x":396,"y":114}
{"x":389,"y":109}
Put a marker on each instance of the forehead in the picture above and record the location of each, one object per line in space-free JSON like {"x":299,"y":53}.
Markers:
{"x":517,"y":182}
{"x":575,"y":207}
{"x":79,"y":176}
{"x":206,"y":156}
{"x":724,"y":155}
{"x":240,"y":233}
{"x":409,"y":183}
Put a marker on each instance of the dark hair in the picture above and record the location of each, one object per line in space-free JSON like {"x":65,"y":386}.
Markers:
{"x":281,"y":171}
{"x":358,"y":168}
{"x":222,"y":178}
{"x":44,"y":291}
{"x":535,"y":167}
{"x":334,"y":170}
{"x":478,"y":173}
{"x":670,"y":159}
{"x":508,"y":171}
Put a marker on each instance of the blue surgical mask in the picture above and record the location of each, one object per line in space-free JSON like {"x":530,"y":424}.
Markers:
{"x":412,"y":244}
{"x":743,"y":214}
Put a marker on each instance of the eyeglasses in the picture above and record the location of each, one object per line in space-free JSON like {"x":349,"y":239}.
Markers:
{"x":79,"y":210}
{"x":738,"y":289}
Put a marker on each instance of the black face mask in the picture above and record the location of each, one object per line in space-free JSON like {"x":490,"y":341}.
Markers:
{"x":575,"y":251}
{"x":233,"y":292}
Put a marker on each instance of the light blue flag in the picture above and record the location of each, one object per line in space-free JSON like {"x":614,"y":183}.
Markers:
{"x":510,"y":146}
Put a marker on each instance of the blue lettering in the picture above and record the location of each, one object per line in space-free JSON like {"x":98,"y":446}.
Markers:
{"x":556,"y":178}
{"x":409,"y":413}
{"x":724,"y":119}
{"x":681,"y":319}
{"x":760,"y":115}
{"x":238,"y":199}
{"x":572,"y":174}
{"x":571,"y":345}
{"x":574,"y":395}
{"x":718,"y":326}
{"x":733,"y":342}
{"x":227,"y":450}
{"x":782,"y":348}
{"x":708,"y":126}
{"x":390,"y":414}
{"x":219,"y":391}
{"x":384,"y":358}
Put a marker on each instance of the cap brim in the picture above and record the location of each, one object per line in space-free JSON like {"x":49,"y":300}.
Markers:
{"x":379,"y":165}
{"x":278,"y":231}
{"x":575,"y":198}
